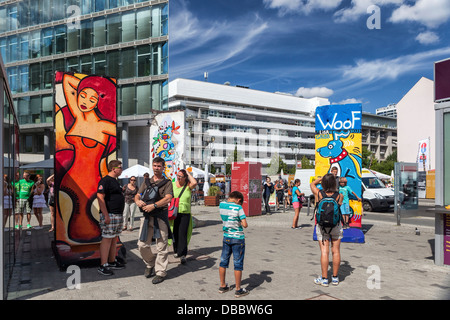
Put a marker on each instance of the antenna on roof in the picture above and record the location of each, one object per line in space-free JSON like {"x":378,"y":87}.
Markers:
{"x":206,"y":76}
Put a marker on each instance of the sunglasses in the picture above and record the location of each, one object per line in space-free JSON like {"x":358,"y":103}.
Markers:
{"x":133,"y":180}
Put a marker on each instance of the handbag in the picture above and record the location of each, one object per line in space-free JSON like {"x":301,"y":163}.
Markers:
{"x":174,"y":205}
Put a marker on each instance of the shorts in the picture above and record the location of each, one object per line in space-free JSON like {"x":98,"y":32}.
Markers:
{"x":235,"y":246}
{"x":336,"y":233}
{"x":114,"y":228}
{"x":297,"y":204}
{"x":23,"y":206}
{"x":345,"y":208}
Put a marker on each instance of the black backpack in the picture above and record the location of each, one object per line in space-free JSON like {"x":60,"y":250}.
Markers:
{"x":151,"y":193}
{"x":328,"y":213}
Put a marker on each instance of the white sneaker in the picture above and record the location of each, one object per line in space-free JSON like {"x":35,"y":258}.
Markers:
{"x":321,"y":281}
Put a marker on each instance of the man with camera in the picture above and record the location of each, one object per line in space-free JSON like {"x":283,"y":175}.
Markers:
{"x":153,"y":198}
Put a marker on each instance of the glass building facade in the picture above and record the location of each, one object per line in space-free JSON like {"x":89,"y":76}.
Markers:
{"x":9,"y":133}
{"x":124,"y":39}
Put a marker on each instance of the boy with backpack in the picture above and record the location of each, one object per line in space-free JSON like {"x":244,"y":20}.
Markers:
{"x":328,"y":226}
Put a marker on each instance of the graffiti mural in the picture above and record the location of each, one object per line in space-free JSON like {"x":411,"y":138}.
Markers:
{"x":167,"y":139}
{"x":339,"y":144}
{"x":85,"y":141}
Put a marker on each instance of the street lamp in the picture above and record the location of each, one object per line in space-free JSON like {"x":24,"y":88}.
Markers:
{"x":208,"y":148}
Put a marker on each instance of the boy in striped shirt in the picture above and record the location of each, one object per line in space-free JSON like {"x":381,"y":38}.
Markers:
{"x":234,"y":220}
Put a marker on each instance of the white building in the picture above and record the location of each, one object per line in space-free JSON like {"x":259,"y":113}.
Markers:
{"x":389,"y":111}
{"x":259,"y":123}
{"x":416,"y":122}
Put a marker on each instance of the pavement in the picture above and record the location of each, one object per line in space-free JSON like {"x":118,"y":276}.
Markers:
{"x":394,"y":263}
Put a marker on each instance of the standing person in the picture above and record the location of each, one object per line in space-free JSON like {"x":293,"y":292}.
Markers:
{"x":182,"y":225}
{"x":279,"y":187}
{"x":51,"y":200}
{"x":157,"y":193}
{"x":234,"y":220}
{"x":129,"y":190}
{"x":111,"y":202}
{"x":345,"y":190}
{"x":7,"y":199}
{"x":23,"y":191}
{"x":334,"y":236}
{"x":296,"y":202}
{"x":268,"y":190}
{"x":38,"y":199}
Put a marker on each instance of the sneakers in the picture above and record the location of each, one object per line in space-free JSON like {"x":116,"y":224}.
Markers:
{"x":116,"y":265}
{"x":241,"y":292}
{"x":224,"y":289}
{"x":238,"y":293}
{"x":105,"y":270}
{"x":324,"y":282}
{"x":321,"y":281}
{"x":28,"y":226}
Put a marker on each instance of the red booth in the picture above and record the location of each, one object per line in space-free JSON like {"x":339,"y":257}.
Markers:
{"x":246,"y":178}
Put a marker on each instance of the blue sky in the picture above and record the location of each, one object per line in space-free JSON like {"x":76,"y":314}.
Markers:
{"x":311,"y":47}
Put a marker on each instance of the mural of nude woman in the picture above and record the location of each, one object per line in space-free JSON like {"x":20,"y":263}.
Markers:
{"x":89,"y":138}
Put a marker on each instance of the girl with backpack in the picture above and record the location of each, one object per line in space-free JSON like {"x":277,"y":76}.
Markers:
{"x":333,"y":235}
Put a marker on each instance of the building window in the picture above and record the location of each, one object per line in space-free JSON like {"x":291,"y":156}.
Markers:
{"x":86,"y":34}
{"x":128,"y":100}
{"x":144,"y":61}
{"x":128,"y":64}
{"x":143,"y":23}
{"x":46,"y":44}
{"x":128,"y":26}
{"x":113,"y":29}
{"x":99,"y":32}
{"x":143,"y":100}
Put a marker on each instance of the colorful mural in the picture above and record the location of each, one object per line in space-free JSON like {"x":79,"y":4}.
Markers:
{"x":167,"y":139}
{"x":339,"y":144}
{"x":85,"y":129}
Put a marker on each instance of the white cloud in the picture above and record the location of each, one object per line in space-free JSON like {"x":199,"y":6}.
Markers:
{"x":322,"y":92}
{"x":349,"y":101}
{"x":359,"y":8}
{"x":306,"y":7}
{"x":431,"y":13}
{"x":391,"y":69}
{"x":205,"y":45}
{"x":427,"y":37}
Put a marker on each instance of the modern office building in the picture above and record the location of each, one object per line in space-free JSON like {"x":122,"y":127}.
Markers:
{"x":389,"y":111}
{"x":9,"y":130}
{"x":260,"y":124}
{"x":123,"y":39}
{"x":379,"y":134}
{"x":220,"y":118}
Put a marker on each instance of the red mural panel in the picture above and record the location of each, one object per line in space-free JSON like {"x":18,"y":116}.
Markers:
{"x":85,"y":129}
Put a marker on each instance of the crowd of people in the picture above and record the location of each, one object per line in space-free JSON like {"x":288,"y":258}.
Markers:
{"x":154,"y":198}
{"x":30,"y":195}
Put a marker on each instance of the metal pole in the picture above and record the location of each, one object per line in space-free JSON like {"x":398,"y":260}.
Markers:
{"x":397,"y":191}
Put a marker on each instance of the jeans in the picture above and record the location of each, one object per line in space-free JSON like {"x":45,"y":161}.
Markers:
{"x":235,"y":246}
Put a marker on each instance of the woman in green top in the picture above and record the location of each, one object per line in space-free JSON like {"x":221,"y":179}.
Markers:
{"x":182,"y":225}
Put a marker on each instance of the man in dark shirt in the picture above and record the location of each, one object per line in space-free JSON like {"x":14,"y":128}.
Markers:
{"x":155,"y":223}
{"x":111,"y":202}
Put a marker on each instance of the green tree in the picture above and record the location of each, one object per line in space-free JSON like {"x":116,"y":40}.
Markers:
{"x":306,"y":163}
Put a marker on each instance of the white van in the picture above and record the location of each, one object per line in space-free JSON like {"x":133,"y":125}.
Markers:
{"x":376,"y":196}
